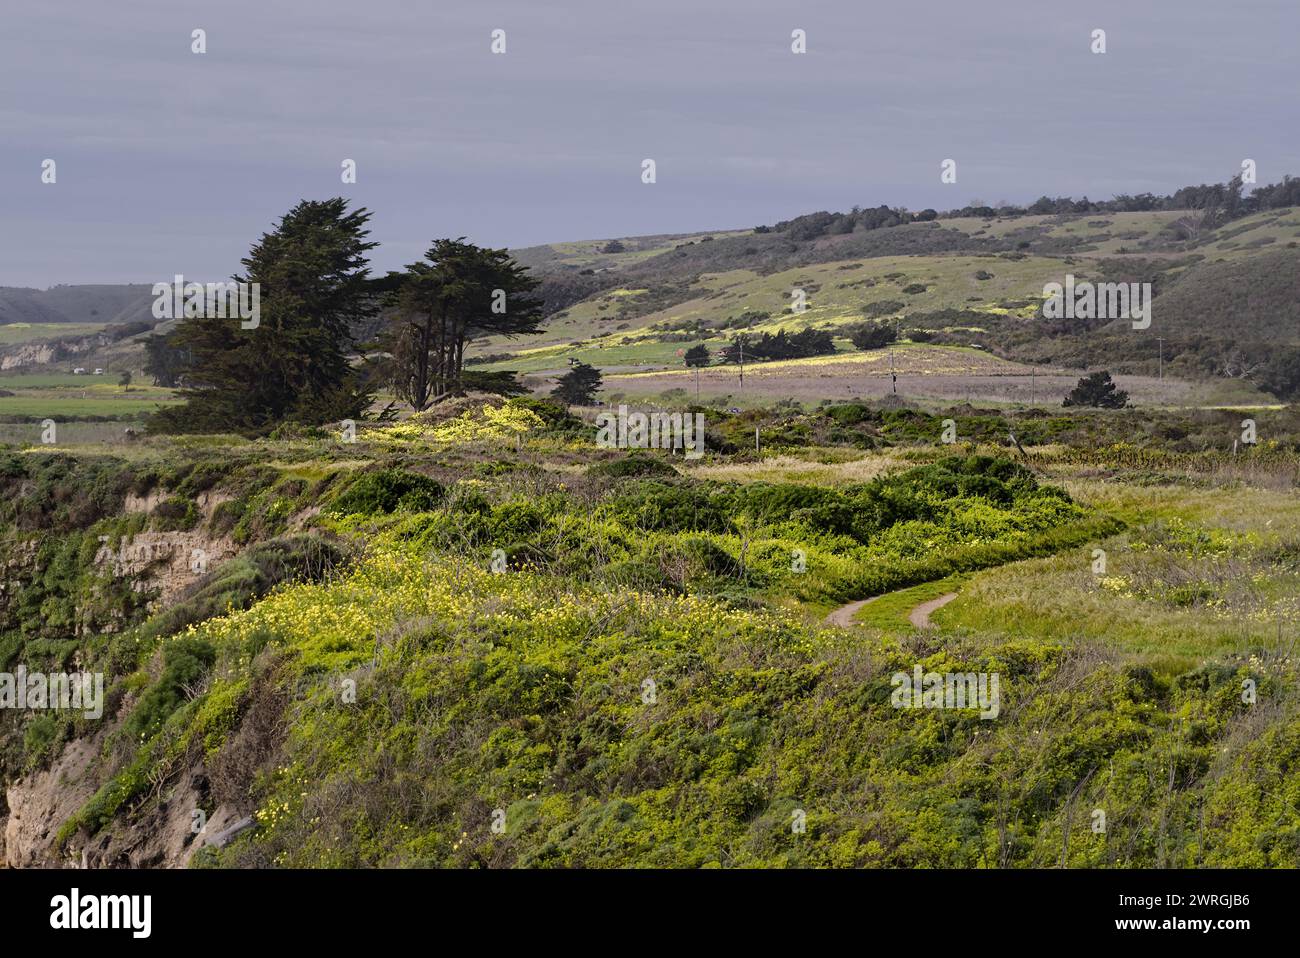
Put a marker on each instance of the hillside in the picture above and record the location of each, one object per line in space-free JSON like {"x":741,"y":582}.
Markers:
{"x":336,"y":629}
{"x":105,"y":304}
{"x":960,"y":281}
{"x":1244,"y":297}
{"x":478,"y":640}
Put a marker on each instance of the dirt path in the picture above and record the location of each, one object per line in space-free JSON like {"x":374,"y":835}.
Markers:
{"x":920,"y":616}
{"x":843,"y":616}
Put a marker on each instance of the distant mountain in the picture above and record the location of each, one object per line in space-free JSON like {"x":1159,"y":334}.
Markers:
{"x":77,"y":304}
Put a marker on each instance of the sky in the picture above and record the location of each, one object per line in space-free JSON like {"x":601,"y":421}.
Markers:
{"x":170,"y":161}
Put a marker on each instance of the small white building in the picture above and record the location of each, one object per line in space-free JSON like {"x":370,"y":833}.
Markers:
{"x":79,"y":371}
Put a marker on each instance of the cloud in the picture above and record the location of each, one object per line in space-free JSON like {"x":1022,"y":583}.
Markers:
{"x":166,"y":156}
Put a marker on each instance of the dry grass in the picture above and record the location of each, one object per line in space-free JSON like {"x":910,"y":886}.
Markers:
{"x":788,"y":468}
{"x":924,"y":372}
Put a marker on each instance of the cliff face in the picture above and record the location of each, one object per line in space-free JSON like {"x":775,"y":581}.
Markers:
{"x":44,"y":352}
{"x":162,"y":564}
{"x":88,"y":349}
{"x":100,"y":564}
{"x":32,"y":354}
{"x":172,"y":828}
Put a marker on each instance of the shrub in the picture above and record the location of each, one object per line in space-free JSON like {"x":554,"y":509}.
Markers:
{"x":388,"y":491}
{"x":670,"y":508}
{"x":850,"y":414}
{"x":873,"y":336}
{"x":886,"y":307}
{"x":1097,"y":390}
{"x":176,"y":513}
{"x":633,"y":464}
{"x":185,"y":662}
{"x":554,"y":415}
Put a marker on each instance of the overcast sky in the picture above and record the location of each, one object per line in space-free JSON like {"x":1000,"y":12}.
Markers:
{"x":172,"y":162}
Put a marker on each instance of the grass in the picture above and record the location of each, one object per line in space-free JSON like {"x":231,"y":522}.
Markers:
{"x":67,"y":381}
{"x":15,"y":333}
{"x":71,"y":407}
{"x":86,"y":438}
{"x":925,"y":372}
{"x":791,"y":467}
{"x":890,"y":612}
{"x":837,"y":292}
{"x":1170,"y":609}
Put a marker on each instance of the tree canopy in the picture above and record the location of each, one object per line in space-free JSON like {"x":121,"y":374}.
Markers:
{"x":295,"y":364}
{"x":578,"y":387}
{"x":1097,"y":390}
{"x":457,"y":292}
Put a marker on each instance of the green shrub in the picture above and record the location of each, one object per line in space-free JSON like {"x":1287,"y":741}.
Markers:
{"x":633,"y":464}
{"x":651,"y":505}
{"x":176,"y":513}
{"x":388,"y":490}
{"x":850,"y":414}
{"x":185,"y":662}
{"x":40,"y":737}
{"x":555,"y":415}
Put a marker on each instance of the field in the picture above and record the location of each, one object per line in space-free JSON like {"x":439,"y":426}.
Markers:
{"x":951,"y":374}
{"x":68,"y":399}
{"x":13,"y":333}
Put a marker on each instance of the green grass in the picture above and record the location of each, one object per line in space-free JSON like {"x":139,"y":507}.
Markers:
{"x":1134,"y":608}
{"x":106,"y":382}
{"x":890,"y":611}
{"x":54,"y":407}
{"x":836,"y":296}
{"x":14,"y":333}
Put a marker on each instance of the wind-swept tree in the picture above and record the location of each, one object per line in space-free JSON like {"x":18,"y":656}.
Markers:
{"x":459,"y":291}
{"x":163,"y":361}
{"x":1097,"y":390}
{"x":697,"y":355}
{"x":578,"y":386}
{"x":294,"y":365}
{"x":873,"y":336}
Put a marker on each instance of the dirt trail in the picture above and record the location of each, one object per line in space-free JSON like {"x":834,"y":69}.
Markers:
{"x":920,"y":616}
{"x":843,"y":616}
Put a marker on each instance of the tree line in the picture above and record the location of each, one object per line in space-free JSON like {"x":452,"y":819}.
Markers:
{"x":1211,"y":205}
{"x":303,"y":363}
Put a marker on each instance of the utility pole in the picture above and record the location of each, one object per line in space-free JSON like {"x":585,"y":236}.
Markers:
{"x":1033,"y":383}
{"x":893,"y":376}
{"x":1160,"y":340}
